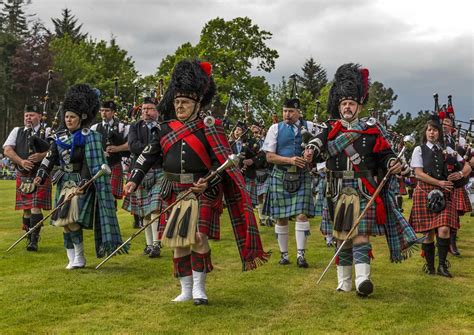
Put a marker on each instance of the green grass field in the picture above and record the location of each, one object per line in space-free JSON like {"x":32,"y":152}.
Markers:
{"x":131,"y":293}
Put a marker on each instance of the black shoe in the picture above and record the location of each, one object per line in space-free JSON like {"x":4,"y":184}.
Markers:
{"x":155,"y":251}
{"x":269,"y":222}
{"x":301,"y":262}
{"x":262,"y":223}
{"x":33,"y":239}
{"x":198,"y":302}
{"x":453,"y":248}
{"x":284,"y":261}
{"x":444,"y":272}
{"x":147,"y":250}
{"x":429,"y":270}
{"x":32,"y":246}
{"x":365,"y":288}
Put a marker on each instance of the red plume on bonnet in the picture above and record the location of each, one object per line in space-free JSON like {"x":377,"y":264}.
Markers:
{"x":365,"y":81}
{"x":207,"y":67}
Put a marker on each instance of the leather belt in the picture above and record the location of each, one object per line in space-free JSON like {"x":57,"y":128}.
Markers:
{"x":349,"y":174}
{"x":286,"y":168}
{"x":183,"y":178}
{"x":72,"y":167}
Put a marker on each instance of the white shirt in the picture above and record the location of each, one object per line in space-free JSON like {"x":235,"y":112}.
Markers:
{"x":11,"y":139}
{"x":417,"y":160}
{"x":123,"y":129}
{"x":270,"y":144}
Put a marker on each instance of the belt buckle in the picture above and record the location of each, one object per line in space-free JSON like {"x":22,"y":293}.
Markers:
{"x":186,"y":178}
{"x":348,"y":174}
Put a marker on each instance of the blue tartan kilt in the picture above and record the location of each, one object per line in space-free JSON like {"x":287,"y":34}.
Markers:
{"x":367,"y":225}
{"x":262,"y":187}
{"x":147,"y":198}
{"x":281,"y":204}
{"x":321,"y":197}
{"x":251,"y":186}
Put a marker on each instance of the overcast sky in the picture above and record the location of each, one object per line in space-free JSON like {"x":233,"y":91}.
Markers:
{"x":416,"y":47}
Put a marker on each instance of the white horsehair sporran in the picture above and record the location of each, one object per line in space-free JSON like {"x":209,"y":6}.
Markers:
{"x":70,"y":218}
{"x":181,"y":226}
{"x":346,"y":212}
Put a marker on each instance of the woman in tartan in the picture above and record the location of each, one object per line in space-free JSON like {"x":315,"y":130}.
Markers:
{"x":78,"y":152}
{"x":429,"y":162}
{"x":190,"y":148}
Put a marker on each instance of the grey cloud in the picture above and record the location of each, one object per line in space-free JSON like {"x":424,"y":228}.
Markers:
{"x":333,"y":32}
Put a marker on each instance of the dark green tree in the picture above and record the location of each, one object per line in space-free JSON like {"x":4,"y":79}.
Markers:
{"x":233,"y":47}
{"x":381,"y":98}
{"x":13,"y":18}
{"x":314,"y":77}
{"x":67,"y":24}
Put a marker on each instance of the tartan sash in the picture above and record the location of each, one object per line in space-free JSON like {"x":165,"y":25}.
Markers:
{"x":337,"y":143}
{"x":379,"y":206}
{"x":184,"y":131}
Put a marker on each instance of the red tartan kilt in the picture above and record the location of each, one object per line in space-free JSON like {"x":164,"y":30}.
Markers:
{"x":461,"y":200}
{"x":210,"y":211}
{"x":403,"y":189}
{"x":116,"y":180}
{"x":423,"y":220}
{"x":41,"y":198}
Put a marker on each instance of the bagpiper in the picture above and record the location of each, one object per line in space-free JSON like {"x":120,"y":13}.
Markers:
{"x":357,"y":155}
{"x":146,"y":201}
{"x":435,"y":212}
{"x":454,"y":140}
{"x":78,"y":153}
{"x":26,"y":147}
{"x":289,"y":193}
{"x":114,"y":142}
{"x":190,"y":148}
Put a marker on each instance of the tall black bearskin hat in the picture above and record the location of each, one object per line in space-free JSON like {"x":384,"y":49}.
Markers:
{"x":110,"y":104}
{"x":82,"y":100}
{"x":191,"y":79}
{"x":31,"y":109}
{"x":351,"y":82}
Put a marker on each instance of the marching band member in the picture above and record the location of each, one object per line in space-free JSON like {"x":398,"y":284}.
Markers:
{"x":190,"y":148}
{"x":146,"y":200}
{"x":114,"y":142}
{"x":78,"y":153}
{"x":358,"y":154}
{"x":289,"y":193}
{"x":434,"y":209}
{"x":26,"y":147}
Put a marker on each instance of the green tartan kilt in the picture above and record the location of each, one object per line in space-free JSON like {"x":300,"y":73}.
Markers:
{"x":148,"y":196}
{"x":367,"y":225}
{"x":281,"y":204}
{"x":86,"y":201}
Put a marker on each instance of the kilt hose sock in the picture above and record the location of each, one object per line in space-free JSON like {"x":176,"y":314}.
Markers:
{"x":362,"y":254}
{"x":281,"y":233}
{"x":429,"y":255}
{"x":301,"y":233}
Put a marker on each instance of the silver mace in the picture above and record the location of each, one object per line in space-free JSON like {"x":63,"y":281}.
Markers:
{"x":232,"y":160}
{"x":104,"y":170}
{"x":409,"y":142}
